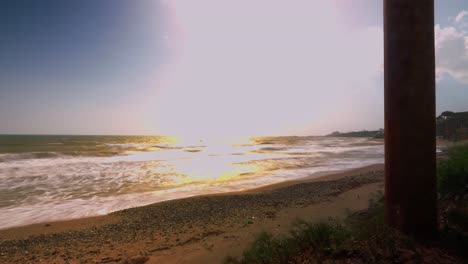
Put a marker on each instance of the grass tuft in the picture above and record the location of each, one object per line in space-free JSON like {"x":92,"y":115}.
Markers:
{"x":364,"y":238}
{"x":452,"y":173}
{"x":323,"y":238}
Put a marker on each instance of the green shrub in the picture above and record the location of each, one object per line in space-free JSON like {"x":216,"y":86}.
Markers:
{"x":322,"y":238}
{"x":369,"y":222}
{"x":319,"y":239}
{"x":268,"y":249}
{"x":363,"y":235}
{"x":452,"y":173}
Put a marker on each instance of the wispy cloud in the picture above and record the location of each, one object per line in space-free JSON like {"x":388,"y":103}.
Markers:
{"x":459,"y":18}
{"x":451,"y":44}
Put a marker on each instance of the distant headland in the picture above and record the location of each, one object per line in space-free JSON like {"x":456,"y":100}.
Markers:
{"x":363,"y":133}
{"x":449,"y":125}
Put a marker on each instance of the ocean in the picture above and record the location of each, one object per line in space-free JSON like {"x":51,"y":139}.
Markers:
{"x":47,"y":178}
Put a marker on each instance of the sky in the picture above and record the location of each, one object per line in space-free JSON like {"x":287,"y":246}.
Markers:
{"x":207,"y":68}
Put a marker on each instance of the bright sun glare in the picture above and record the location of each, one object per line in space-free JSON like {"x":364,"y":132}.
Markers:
{"x":209,"y":161}
{"x":255,"y":67}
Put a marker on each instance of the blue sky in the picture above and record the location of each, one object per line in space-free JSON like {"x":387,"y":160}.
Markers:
{"x":175,"y":67}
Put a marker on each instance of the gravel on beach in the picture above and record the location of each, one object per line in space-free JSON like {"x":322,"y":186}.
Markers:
{"x":168,"y":224}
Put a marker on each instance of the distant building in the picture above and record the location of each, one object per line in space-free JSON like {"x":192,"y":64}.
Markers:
{"x":452,"y":125}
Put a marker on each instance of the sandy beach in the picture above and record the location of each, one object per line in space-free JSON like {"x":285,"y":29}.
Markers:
{"x":201,"y":229}
{"x":138,"y":132}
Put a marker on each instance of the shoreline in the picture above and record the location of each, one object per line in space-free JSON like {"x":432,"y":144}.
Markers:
{"x":154,"y":230}
{"x":89,"y":221}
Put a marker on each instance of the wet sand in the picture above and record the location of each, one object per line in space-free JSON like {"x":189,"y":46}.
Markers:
{"x":201,"y":229}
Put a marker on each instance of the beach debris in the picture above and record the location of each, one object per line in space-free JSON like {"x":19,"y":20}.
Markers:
{"x":159,"y":249}
{"x":137,"y":260}
{"x":251,"y":220}
{"x":109,"y":260}
{"x":212,"y":233}
{"x":270,"y":215}
{"x":208,"y":246}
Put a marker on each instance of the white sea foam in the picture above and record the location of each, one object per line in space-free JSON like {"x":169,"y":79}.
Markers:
{"x":53,"y":186}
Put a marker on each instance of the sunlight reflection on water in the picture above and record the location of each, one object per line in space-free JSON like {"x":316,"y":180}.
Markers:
{"x":128,"y":172}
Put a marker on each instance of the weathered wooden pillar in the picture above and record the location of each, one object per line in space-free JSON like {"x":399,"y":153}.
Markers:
{"x":410,"y":157}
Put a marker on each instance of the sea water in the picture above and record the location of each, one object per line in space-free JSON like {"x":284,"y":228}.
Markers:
{"x":46,"y":178}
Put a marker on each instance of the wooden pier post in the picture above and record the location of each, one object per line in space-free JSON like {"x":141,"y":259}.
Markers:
{"x":410,"y":151}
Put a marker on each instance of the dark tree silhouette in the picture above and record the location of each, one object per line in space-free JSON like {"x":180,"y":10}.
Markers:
{"x":410,"y":161}
{"x":447,"y":113}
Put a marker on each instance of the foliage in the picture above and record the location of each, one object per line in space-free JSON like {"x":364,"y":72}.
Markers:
{"x":319,"y":239}
{"x":452,"y":173}
{"x":363,"y":237}
{"x":323,"y":240}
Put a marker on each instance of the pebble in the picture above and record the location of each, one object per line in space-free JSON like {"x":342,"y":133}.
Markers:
{"x":205,"y":213}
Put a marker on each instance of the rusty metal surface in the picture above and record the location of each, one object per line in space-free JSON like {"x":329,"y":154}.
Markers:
{"x":410,"y":158}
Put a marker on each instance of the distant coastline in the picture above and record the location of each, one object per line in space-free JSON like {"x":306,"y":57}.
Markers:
{"x":363,"y":133}
{"x":450,"y":125}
